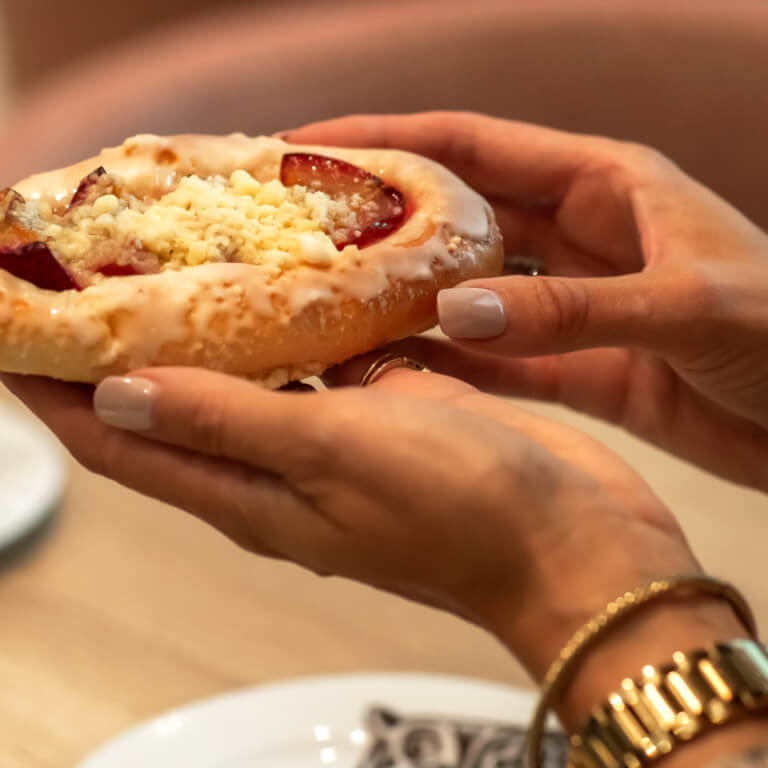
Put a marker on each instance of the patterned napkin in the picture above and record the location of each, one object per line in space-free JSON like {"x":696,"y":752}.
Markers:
{"x":397,"y":741}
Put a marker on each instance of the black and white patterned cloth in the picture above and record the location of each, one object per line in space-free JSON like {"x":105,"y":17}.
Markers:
{"x":398,"y":741}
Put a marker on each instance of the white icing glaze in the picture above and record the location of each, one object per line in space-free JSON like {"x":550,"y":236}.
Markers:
{"x":444,"y":208}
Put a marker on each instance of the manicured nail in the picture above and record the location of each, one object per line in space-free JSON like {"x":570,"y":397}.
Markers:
{"x":471,"y":313}
{"x":125,"y":402}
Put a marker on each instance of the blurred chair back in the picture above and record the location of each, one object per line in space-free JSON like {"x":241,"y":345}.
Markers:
{"x":687,"y":76}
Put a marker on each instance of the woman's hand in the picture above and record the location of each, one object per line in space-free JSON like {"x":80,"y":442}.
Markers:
{"x":645,"y":259}
{"x":419,"y":484}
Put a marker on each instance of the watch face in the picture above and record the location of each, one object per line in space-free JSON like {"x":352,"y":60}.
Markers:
{"x":399,"y":741}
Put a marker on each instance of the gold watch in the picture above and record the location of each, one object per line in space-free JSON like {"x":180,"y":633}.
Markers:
{"x":673,"y":703}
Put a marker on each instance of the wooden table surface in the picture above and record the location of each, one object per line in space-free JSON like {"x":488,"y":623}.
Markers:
{"x":124,"y":608}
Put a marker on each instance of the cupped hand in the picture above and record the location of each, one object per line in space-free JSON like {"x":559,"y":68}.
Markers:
{"x":655,"y":316}
{"x":419,"y":484}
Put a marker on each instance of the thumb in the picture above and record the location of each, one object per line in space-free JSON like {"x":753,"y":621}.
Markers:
{"x":533,"y":316}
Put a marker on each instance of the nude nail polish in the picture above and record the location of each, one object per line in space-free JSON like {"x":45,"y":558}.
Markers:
{"x":471,"y":313}
{"x":125,"y":402}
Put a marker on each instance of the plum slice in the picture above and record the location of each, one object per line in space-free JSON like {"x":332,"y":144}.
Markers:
{"x":35,"y":263}
{"x":26,"y":257}
{"x":382,"y":209}
{"x":81,"y":193}
{"x":113,"y":269}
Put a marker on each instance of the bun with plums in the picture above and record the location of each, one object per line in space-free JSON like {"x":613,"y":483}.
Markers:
{"x":243,"y":255}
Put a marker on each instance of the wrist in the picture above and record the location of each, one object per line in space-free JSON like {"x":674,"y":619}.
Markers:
{"x":564,"y":592}
{"x":651,"y":635}
{"x":707,"y":670}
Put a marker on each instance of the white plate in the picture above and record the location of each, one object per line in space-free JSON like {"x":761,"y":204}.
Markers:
{"x":311,"y":723}
{"x":31,"y":474}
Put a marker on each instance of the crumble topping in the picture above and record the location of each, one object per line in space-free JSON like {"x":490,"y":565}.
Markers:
{"x":203,"y":220}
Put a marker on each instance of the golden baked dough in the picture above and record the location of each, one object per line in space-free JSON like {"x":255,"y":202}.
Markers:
{"x":271,"y":325}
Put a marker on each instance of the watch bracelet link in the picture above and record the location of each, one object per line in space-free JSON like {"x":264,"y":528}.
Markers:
{"x":673,"y":703}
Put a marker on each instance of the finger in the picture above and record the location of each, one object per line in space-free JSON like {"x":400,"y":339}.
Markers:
{"x":458,"y":373}
{"x":534,"y":316}
{"x":252,"y":508}
{"x":568,"y":379}
{"x":497,"y":374}
{"x":497,"y":157}
{"x":304,"y":438}
{"x":421,"y":384}
{"x":214,"y":414}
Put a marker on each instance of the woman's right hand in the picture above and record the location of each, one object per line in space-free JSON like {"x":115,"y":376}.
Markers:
{"x":656,"y":313}
{"x":418,"y":484}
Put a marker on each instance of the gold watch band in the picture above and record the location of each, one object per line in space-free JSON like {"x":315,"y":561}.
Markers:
{"x":673,"y":703}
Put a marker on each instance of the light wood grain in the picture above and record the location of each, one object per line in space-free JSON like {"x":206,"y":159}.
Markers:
{"x":126,"y":607}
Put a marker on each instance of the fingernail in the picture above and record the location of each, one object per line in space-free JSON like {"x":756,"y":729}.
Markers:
{"x":471,"y":313}
{"x":282,"y":135}
{"x":125,"y":402}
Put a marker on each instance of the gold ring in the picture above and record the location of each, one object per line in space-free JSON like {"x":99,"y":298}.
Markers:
{"x":387,"y":363}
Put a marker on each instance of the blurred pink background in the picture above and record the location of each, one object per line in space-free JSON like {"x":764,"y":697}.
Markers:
{"x":686,"y":76}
